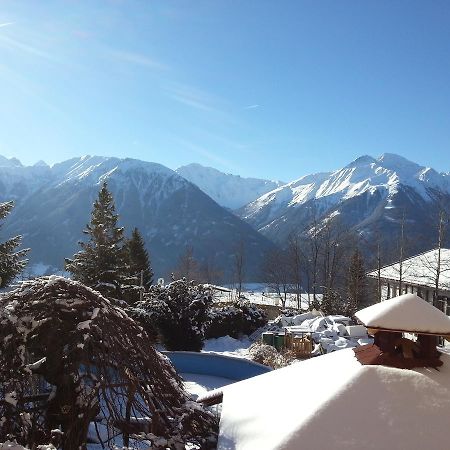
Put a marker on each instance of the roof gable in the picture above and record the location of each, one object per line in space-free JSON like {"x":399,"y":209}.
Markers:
{"x":420,"y":270}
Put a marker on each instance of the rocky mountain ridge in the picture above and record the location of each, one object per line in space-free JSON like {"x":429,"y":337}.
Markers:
{"x":53,"y":206}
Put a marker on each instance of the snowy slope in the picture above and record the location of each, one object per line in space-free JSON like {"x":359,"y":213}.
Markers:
{"x":53,"y":208}
{"x":229,"y":191}
{"x":367,"y":186}
{"x":17,"y":181}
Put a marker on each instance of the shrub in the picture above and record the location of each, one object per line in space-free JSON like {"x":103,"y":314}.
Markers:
{"x":269,"y":356}
{"x":179,"y":312}
{"x":235,"y":320}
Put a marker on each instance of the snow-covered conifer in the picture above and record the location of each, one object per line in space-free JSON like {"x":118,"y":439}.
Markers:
{"x":138,"y":262}
{"x":12,"y":262}
{"x":101,"y":263}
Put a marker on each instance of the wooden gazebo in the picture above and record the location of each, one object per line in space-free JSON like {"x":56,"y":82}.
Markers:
{"x":406,"y":330}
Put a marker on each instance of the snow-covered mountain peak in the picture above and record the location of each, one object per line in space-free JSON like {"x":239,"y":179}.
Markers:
{"x":40,"y":163}
{"x":404,"y":167}
{"x":364,"y":160}
{"x":230,"y":191}
{"x":378,"y":179}
{"x":96,"y":169}
{"x":128,"y":164}
{"x":9,"y":162}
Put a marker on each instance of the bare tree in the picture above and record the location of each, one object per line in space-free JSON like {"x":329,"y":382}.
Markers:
{"x":373,"y":248}
{"x":187,"y":266}
{"x":209,"y":272}
{"x":294,"y":262}
{"x":337,"y":245}
{"x":401,"y":253}
{"x":313,"y":249}
{"x":356,"y":283}
{"x":433,"y":263}
{"x":276,"y":274}
{"x":239,"y":266}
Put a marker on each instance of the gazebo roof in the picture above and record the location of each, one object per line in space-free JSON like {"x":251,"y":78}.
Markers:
{"x":407,"y":312}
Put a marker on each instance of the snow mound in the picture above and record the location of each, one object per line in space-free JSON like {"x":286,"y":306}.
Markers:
{"x":349,"y":406}
{"x":226,"y":345}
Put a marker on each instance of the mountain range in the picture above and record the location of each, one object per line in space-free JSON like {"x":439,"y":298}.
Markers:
{"x":53,"y":206}
{"x":230,"y":191}
{"x":212,"y":211}
{"x":370,"y":195}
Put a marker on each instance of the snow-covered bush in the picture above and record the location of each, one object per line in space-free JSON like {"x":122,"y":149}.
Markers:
{"x":270,"y":356}
{"x":69,"y":357}
{"x":180,"y":313}
{"x":235,"y":320}
{"x":254,"y":317}
{"x":145,"y":320}
{"x":226,"y":321}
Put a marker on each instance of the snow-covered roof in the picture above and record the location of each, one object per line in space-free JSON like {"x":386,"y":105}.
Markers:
{"x":420,"y":270}
{"x":407,"y":312}
{"x":333,"y":401}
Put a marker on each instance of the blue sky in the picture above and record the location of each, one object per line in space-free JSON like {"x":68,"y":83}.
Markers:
{"x":272,"y":89}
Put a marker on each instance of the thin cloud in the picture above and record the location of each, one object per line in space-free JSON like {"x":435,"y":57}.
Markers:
{"x":10,"y":44}
{"x":252,"y":106}
{"x":6,"y":24}
{"x":191,"y":96}
{"x":137,"y":59}
{"x":198,"y":99}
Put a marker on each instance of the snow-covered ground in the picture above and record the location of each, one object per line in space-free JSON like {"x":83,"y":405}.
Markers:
{"x":259,"y":294}
{"x":228,"y":346}
{"x":198,"y":384}
{"x":335,"y":402}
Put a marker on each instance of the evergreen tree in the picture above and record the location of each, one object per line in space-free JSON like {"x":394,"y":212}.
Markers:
{"x":101,"y":263}
{"x":11,"y":262}
{"x":331,"y":303}
{"x":356,"y":283}
{"x":138,"y":263}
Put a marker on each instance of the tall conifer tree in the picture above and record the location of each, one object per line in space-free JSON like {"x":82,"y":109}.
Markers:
{"x":101,"y":263}
{"x":138,"y":262}
{"x":11,"y":262}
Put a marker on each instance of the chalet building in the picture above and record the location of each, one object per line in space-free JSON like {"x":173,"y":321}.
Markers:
{"x":419,"y":274}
